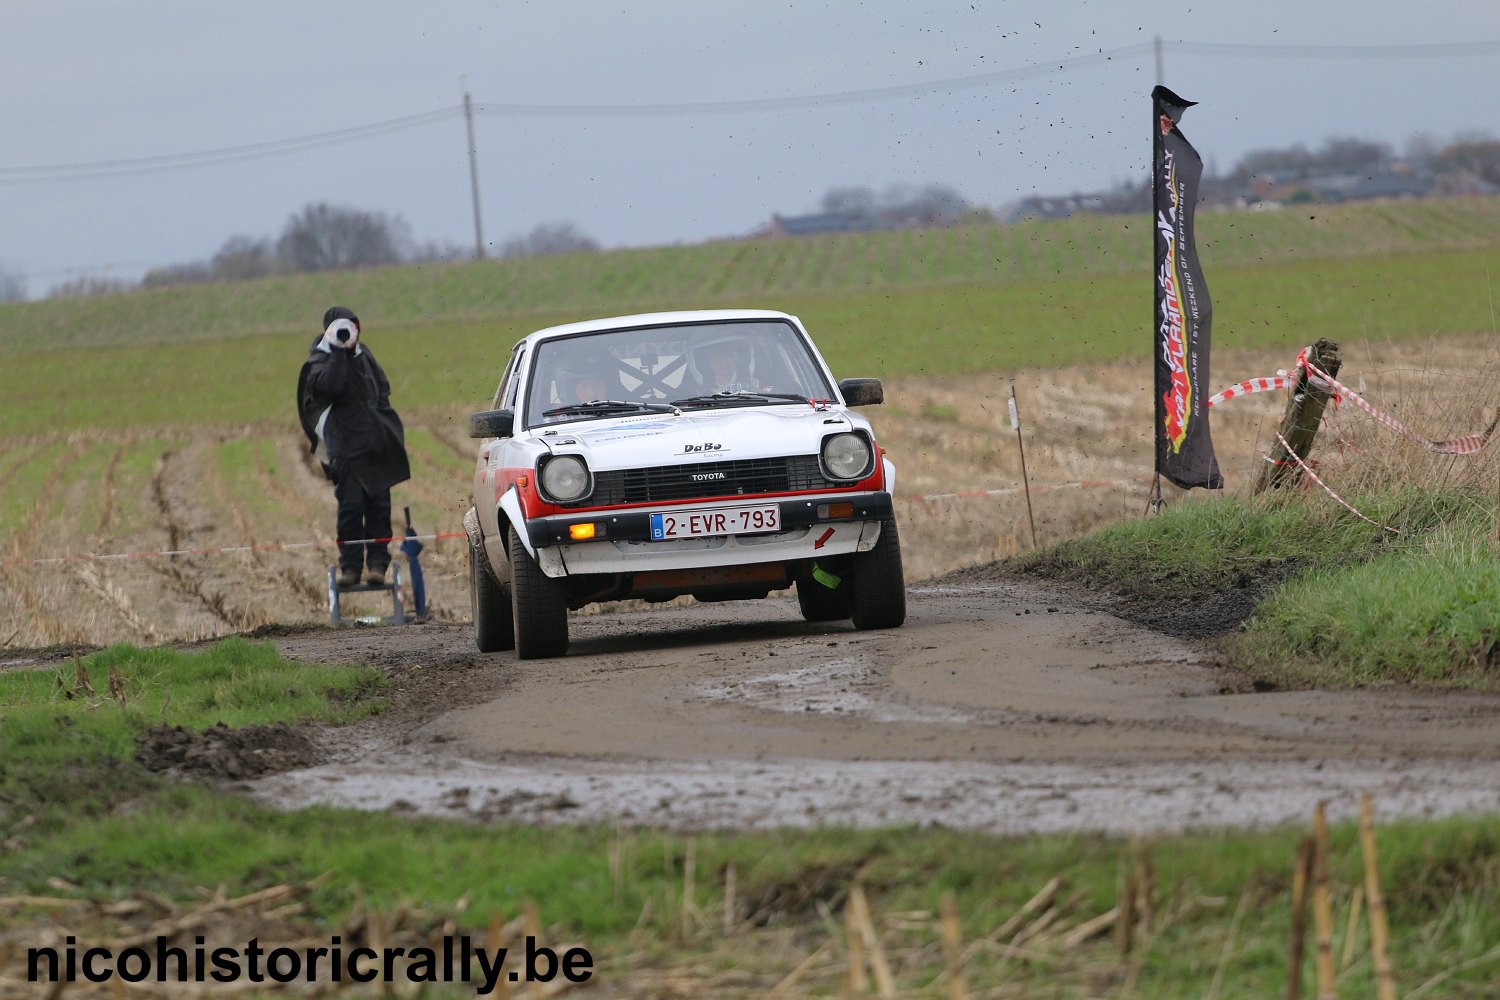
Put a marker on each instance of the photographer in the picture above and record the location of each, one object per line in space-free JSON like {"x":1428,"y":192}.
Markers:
{"x":343,"y":399}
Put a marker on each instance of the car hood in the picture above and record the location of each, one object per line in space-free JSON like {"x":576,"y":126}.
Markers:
{"x":728,"y":435}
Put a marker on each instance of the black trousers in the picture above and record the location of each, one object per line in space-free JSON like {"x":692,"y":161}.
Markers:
{"x":362,"y":514}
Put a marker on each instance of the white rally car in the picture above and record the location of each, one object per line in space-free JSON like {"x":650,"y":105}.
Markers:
{"x":705,"y":453}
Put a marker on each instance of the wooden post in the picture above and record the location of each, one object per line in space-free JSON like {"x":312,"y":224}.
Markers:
{"x":1299,"y":426}
{"x":1322,"y":904}
{"x":1301,"y":875}
{"x":953,"y":948}
{"x":857,"y":984}
{"x":1380,"y":934}
{"x":1015,"y":421}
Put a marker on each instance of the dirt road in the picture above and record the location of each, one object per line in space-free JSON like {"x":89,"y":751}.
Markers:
{"x":999,"y":706}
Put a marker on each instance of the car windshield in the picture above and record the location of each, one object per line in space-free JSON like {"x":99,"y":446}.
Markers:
{"x":694,"y":366}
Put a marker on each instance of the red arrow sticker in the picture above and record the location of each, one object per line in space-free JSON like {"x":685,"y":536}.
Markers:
{"x":823,"y":539}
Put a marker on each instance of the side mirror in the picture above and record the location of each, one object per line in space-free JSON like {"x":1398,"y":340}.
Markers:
{"x":492,"y":424}
{"x":861,"y":391}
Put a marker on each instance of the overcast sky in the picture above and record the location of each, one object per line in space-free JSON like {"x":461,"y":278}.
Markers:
{"x":90,"y":82}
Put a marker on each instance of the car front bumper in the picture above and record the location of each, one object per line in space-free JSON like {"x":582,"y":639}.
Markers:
{"x":623,"y":542}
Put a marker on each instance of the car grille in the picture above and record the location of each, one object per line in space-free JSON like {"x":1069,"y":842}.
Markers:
{"x":708,"y":479}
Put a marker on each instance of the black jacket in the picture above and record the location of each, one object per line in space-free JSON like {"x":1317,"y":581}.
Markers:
{"x":362,"y":436}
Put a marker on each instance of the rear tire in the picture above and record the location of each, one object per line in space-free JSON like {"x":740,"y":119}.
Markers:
{"x":539,"y":606}
{"x":489,"y":604}
{"x":877,"y":589}
{"x":822,"y":604}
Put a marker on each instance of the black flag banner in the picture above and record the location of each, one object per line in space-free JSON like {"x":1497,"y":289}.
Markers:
{"x":1184,"y":450}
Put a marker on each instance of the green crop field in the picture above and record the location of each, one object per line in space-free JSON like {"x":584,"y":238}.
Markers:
{"x":883,"y":304}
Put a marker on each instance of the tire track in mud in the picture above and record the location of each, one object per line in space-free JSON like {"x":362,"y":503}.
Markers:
{"x":455,"y":439}
{"x":292,"y":569}
{"x":107,"y":501}
{"x":44,"y":591}
{"x":180,"y":571}
{"x":19,"y":464}
{"x":94,"y":578}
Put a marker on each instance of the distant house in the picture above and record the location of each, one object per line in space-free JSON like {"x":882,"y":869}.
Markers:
{"x":812,"y":225}
{"x":1048,"y":208}
{"x":1363,"y":185}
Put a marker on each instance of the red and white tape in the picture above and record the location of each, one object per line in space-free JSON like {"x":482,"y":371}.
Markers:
{"x":1011,"y":491}
{"x":1251,"y":386}
{"x":81,"y":557}
{"x":1465,"y":444}
{"x":219,"y":550}
{"x":1326,"y":488}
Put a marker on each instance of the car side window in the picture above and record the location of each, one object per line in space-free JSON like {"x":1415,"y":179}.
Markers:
{"x":505,"y":393}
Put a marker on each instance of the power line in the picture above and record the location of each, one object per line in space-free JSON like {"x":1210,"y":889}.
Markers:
{"x":279,"y":147}
{"x":1406,"y":50}
{"x":822,"y":100}
{"x":792,"y":103}
{"x":213,"y":157}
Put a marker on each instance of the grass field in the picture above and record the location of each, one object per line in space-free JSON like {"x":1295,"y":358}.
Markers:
{"x":175,"y":427}
{"x":164,"y":420}
{"x":516,"y":295}
{"x":1039,"y":295}
{"x":669,"y":914}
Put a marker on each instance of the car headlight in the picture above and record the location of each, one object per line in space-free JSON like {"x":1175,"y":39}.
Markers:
{"x":565,"y":478}
{"x":847,"y":456}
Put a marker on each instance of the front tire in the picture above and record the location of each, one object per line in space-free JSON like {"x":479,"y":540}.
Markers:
{"x":819,"y":603}
{"x":877,"y":588}
{"x":489,"y":604}
{"x":539,"y":606}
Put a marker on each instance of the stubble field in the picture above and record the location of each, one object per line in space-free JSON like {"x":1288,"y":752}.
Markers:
{"x":86,"y":515}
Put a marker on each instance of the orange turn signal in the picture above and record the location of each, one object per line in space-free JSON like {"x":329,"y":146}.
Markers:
{"x":836,"y":510}
{"x":581,"y":532}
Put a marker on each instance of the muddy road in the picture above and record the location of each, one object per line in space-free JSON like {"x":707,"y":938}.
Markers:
{"x":999,"y":706}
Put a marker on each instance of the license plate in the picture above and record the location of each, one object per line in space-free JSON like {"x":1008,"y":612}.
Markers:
{"x":705,"y":523}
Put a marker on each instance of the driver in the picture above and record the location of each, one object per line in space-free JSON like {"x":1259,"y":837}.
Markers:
{"x":589,"y":388}
{"x":722,"y":368}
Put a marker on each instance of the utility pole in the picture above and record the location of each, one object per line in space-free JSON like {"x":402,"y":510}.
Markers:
{"x":473,"y":171}
{"x":1161,"y":74}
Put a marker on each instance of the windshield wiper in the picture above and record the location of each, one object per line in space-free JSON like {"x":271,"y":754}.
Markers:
{"x":602,"y":406}
{"x":746,"y":397}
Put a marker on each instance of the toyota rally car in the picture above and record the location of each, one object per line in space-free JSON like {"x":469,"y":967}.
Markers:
{"x":704,"y":453}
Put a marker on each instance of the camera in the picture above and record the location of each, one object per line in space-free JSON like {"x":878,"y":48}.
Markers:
{"x":343,"y":335}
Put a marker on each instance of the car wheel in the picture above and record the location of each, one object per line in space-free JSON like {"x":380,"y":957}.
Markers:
{"x":539,"y":606}
{"x":489,"y":604}
{"x":877,"y":590}
{"x":819,"y":603}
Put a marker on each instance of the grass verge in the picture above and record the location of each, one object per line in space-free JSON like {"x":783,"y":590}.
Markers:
{"x":68,"y":735}
{"x":1306,"y":593}
{"x":723,"y":914}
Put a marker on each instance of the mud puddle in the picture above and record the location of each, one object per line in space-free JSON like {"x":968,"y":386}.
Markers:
{"x":1000,"y":799}
{"x":997,"y":707}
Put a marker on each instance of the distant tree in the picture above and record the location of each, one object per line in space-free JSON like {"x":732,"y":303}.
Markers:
{"x":325,"y":237}
{"x":548,"y":238}
{"x":1347,"y":154}
{"x":12,"y":287}
{"x":1292,"y":162}
{"x":177,"y":274}
{"x":1478,"y":157}
{"x":86,"y":287}
{"x":850,"y":202}
{"x":930,"y":205}
{"x":245,"y":257}
{"x":435,"y":252}
{"x":1420,"y":147}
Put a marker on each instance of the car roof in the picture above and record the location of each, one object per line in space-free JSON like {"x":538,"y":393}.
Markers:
{"x":661,"y":319}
